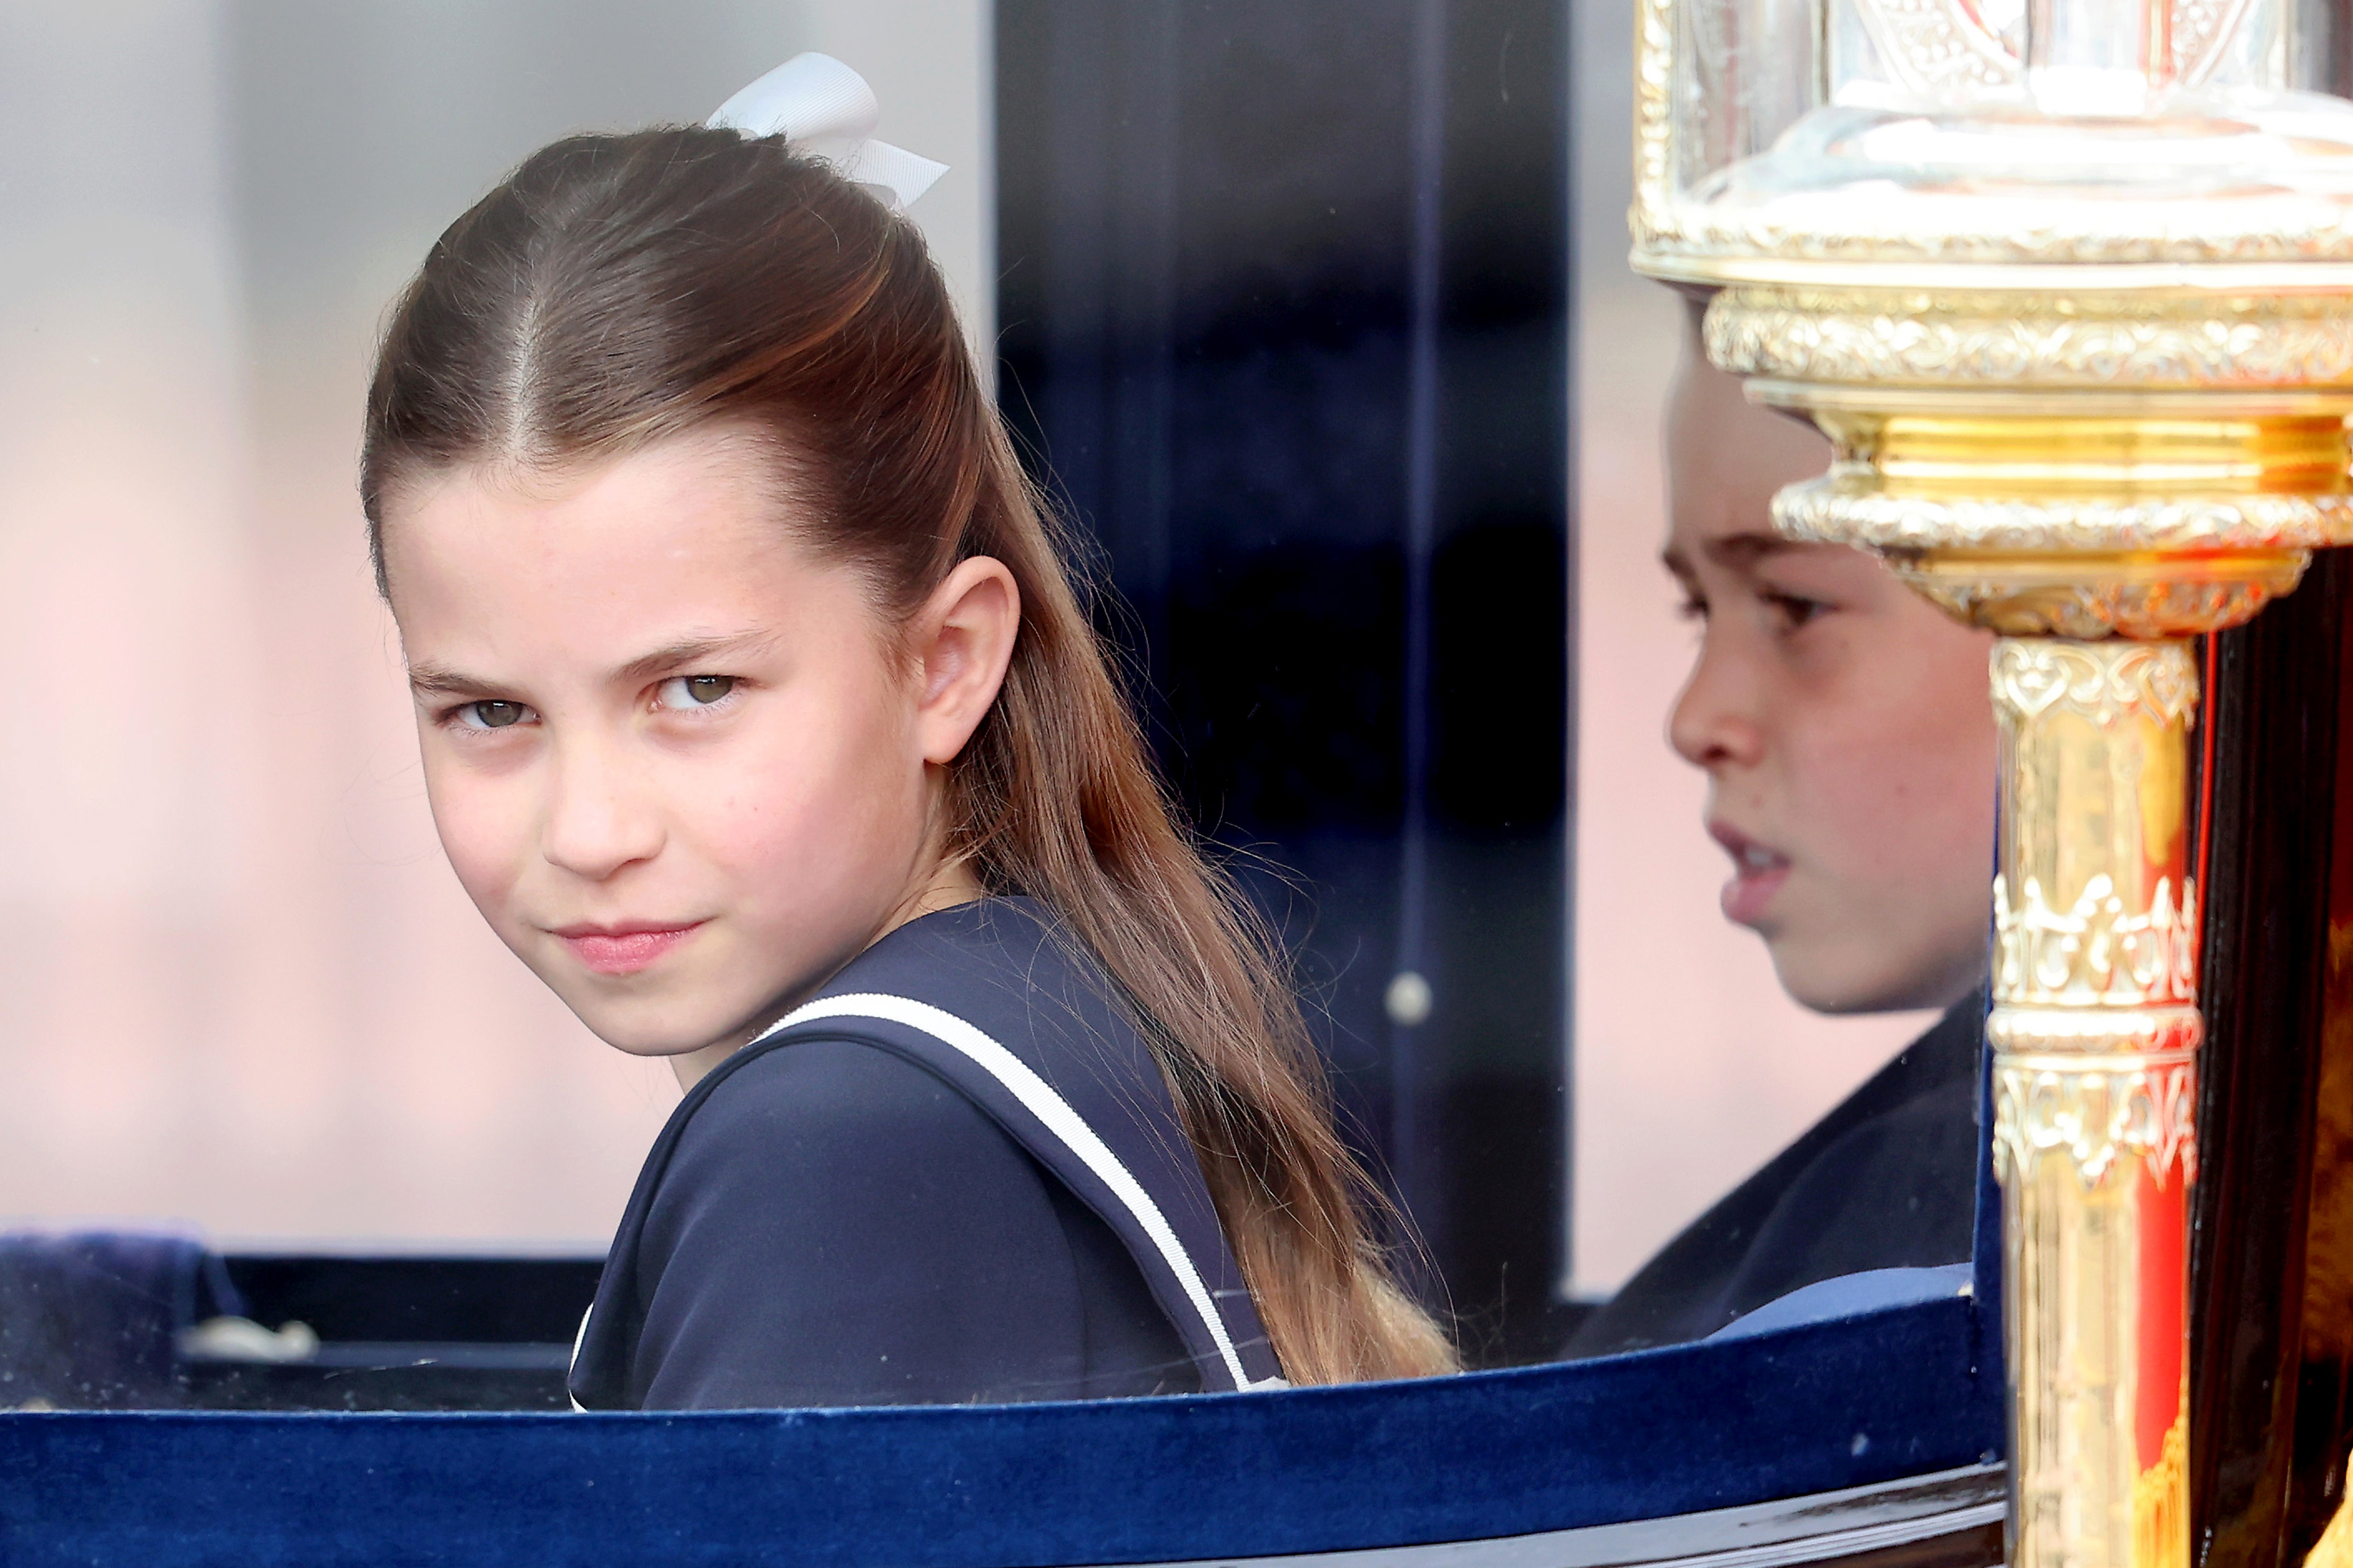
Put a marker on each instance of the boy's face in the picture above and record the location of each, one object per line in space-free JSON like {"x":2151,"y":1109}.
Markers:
{"x":1843,"y":723}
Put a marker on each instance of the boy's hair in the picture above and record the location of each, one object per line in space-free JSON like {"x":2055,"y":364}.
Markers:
{"x":618,"y":290}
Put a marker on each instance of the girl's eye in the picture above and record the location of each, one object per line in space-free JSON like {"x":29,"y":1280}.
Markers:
{"x":492,"y":715}
{"x":1691,"y":607}
{"x":690,"y":692}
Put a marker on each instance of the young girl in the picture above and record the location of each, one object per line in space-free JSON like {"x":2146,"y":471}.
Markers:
{"x":760,"y":720}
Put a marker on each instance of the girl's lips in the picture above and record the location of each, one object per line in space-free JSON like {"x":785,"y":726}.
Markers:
{"x":623,"y":949}
{"x":1757,"y":874}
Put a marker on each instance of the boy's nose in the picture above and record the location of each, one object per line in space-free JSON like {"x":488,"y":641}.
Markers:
{"x":597,"y":819}
{"x":1713,"y":723}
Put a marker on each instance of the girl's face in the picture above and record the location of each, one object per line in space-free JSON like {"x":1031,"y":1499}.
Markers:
{"x":681,"y":767}
{"x":1843,"y":722}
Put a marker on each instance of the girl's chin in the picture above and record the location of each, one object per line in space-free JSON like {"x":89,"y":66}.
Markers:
{"x":650,"y":1027}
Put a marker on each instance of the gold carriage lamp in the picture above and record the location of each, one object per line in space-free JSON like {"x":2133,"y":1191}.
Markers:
{"x":2069,"y":285}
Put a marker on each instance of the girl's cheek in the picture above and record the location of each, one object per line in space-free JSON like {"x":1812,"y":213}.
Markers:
{"x":485,"y":837}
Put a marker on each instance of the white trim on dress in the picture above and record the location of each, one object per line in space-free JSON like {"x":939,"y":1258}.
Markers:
{"x":1041,"y":1100}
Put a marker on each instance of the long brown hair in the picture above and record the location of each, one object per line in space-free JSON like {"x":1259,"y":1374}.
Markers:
{"x":617,"y":290}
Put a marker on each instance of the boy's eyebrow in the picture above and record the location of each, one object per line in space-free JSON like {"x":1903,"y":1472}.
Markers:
{"x":1736,"y":552}
{"x":1747,"y":548}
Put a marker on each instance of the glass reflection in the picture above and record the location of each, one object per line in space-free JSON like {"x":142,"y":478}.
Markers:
{"x":1296,"y":353}
{"x":1844,"y":729}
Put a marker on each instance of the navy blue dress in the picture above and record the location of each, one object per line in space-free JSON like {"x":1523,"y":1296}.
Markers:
{"x":955,"y":1174}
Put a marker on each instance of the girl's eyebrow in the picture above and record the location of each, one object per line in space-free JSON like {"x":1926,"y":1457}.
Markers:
{"x":437,"y":680}
{"x":694,"y":651}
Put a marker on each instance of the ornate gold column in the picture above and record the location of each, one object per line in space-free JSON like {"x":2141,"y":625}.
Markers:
{"x":2077,"y":315}
{"x":2096,"y":1032}
{"x":2096,"y":516}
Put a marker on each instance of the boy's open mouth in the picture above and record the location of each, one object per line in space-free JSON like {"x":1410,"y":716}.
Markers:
{"x":1758,"y":873}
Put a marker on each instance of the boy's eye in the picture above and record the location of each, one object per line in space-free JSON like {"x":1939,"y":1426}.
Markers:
{"x":684,"y":692}
{"x":1691,"y":607}
{"x":492,"y":715}
{"x":1793,"y":611}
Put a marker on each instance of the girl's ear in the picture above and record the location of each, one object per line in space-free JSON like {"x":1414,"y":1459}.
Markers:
{"x":964,"y":640}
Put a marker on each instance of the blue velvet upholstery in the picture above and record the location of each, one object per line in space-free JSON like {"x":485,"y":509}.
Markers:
{"x":1823,"y":1406}
{"x":1900,"y":1391}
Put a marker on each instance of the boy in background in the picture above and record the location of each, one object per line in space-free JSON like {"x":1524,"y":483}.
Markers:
{"x":1845,"y":728}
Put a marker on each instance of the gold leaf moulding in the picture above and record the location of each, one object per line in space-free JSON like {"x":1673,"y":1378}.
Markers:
{"x":2118,"y":1034}
{"x":2283,"y":241}
{"x":2105,"y":686}
{"x":2079,"y":600}
{"x":1833,"y":510}
{"x":2096,"y":1120}
{"x":2087,"y":613}
{"x":2093,"y":340}
{"x":2098,"y":951}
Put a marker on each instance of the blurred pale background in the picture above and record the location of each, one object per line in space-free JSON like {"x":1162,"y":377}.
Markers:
{"x":1693,"y":1068}
{"x":238,"y":987}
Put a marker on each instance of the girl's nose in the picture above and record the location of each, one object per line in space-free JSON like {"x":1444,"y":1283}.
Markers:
{"x":598,"y":817}
{"x":1715,"y":723}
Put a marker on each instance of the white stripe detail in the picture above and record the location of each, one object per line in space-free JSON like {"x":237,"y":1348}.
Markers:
{"x":578,"y":1336}
{"x":1039,"y":1098}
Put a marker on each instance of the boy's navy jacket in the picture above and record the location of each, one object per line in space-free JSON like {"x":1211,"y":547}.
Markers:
{"x":955,"y":1174}
{"x":1887,"y":1180}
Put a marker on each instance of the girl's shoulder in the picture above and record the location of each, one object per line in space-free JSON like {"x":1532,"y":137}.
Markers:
{"x":841,"y":1226}
{"x":999,"y":1004}
{"x":1002,"y":999}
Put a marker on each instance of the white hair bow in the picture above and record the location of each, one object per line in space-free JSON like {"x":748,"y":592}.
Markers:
{"x":822,"y":107}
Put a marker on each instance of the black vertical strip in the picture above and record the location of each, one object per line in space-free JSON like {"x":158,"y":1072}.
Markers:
{"x":2279,"y":689}
{"x":2322,"y":1425}
{"x":2271,"y":1366}
{"x":1285,"y":320}
{"x":1408,"y":1133}
{"x":1088,"y":144}
{"x":1501,"y":705}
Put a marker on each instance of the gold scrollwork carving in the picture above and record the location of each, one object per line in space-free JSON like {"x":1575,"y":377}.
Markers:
{"x":2285,"y":230}
{"x":2097,"y":950}
{"x":1651,"y":220}
{"x":2107,"y":686}
{"x":2092,"y":1119}
{"x":1831,"y":512}
{"x":2090,"y":597}
{"x":1899,"y":337}
{"x":2088,"y":610}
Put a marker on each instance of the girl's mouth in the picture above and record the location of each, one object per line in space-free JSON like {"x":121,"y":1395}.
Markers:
{"x":623,"y":949}
{"x":1757,"y":874}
